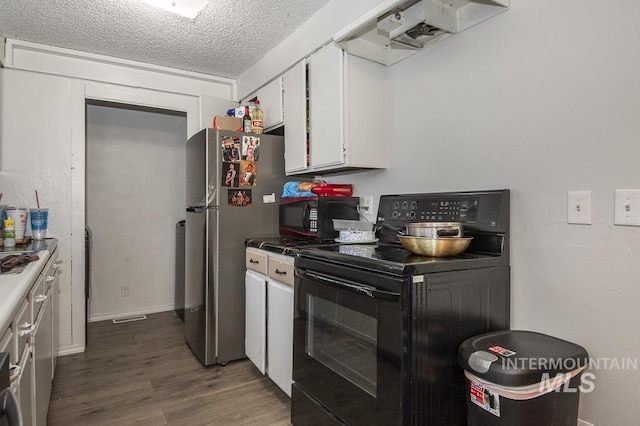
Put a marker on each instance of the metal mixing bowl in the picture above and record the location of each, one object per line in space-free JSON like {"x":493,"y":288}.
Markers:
{"x":436,"y":247}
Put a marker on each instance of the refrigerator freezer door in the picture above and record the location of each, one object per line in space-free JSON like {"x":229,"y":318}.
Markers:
{"x":196,"y":170}
{"x":202,"y":169}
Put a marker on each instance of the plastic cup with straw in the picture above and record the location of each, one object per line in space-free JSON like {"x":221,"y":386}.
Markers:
{"x":39,"y":218}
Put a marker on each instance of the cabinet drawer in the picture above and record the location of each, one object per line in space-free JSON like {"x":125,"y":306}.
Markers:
{"x":257,"y":261}
{"x":281,"y":271}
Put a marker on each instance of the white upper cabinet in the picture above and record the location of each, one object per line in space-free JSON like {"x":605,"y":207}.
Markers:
{"x":339,"y":123}
{"x":295,"y":112}
{"x":271,"y":102}
{"x":325,"y":74}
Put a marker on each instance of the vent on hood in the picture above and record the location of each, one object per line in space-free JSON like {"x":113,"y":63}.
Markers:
{"x":396,"y":29}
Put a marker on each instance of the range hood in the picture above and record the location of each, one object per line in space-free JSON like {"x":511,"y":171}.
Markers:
{"x":396,"y":29}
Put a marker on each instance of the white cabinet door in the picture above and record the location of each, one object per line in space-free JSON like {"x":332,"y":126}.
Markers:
{"x":1,"y":101}
{"x":255,"y":319}
{"x":42,"y":362}
{"x":24,"y":387}
{"x":295,"y":116}
{"x":270,"y":97}
{"x":280,"y":326}
{"x":326,"y":107}
{"x":55,"y":313}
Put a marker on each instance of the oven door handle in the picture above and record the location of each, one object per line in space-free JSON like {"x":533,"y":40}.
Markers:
{"x":355,"y":287}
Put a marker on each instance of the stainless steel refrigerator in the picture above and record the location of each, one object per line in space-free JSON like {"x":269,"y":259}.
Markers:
{"x":234,"y":182}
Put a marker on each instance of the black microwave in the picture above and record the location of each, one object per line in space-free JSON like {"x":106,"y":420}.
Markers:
{"x":313,"y":217}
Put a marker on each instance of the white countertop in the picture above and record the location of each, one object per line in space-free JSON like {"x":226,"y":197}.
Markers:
{"x":14,"y":288}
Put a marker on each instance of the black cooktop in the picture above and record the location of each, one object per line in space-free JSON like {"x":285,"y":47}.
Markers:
{"x":484,"y":214}
{"x":392,"y":259}
{"x":286,"y":245}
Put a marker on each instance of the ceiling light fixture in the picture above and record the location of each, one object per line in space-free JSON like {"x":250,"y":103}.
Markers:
{"x":186,"y":8}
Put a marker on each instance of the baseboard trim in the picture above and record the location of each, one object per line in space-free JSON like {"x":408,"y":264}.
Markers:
{"x":70,"y":350}
{"x":144,"y":311}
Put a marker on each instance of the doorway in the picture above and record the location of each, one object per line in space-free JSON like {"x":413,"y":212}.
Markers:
{"x":134,"y":195}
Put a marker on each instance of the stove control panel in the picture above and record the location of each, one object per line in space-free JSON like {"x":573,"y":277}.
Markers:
{"x":445,"y":210}
{"x":486,"y":211}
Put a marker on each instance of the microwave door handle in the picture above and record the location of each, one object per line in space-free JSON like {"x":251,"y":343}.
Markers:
{"x":353,"y":286}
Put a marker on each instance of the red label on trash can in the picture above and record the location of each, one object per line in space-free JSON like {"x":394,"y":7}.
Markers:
{"x":502,"y":351}
{"x":484,"y":398}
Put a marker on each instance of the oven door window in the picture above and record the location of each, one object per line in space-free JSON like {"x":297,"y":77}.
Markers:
{"x":344,"y":340}
{"x":348,"y":349}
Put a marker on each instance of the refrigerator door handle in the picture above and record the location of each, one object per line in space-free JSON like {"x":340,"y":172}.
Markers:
{"x":201,"y":209}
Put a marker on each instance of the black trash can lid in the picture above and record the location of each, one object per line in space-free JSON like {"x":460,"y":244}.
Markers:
{"x":519,"y":358}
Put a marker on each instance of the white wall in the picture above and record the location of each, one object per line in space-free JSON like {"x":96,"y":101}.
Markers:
{"x":135,"y":195}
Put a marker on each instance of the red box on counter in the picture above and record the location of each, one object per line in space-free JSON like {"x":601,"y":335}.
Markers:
{"x":333,"y":189}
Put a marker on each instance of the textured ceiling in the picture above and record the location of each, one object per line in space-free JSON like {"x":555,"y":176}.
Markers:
{"x":225,"y":39}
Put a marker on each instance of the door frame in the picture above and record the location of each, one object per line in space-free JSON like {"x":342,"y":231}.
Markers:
{"x":81,"y":93}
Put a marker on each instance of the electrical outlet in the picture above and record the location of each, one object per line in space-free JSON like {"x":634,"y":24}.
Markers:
{"x":366,"y":205}
{"x":579,"y":207}
{"x":125,"y":290}
{"x":627,"y":207}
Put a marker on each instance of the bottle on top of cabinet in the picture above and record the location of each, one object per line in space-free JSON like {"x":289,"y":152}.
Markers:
{"x":246,"y":120}
{"x":257,"y":118}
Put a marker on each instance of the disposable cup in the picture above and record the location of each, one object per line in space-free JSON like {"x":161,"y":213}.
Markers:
{"x":39,"y":219}
{"x":19,"y":216}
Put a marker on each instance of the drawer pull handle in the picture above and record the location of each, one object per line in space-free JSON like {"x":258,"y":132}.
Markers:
{"x":26,"y":329}
{"x":279,"y":272}
{"x":254,"y":261}
{"x":14,"y":372}
{"x":40,"y":298}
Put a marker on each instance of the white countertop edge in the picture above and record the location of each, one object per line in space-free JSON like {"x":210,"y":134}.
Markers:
{"x":15,"y":287}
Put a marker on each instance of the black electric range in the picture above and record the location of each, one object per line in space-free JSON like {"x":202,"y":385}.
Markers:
{"x":377,"y":329}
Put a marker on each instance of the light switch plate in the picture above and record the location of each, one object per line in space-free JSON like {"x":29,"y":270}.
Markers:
{"x":579,"y":207}
{"x":627,"y":207}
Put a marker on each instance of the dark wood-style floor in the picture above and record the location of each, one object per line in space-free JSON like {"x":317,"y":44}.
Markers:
{"x":143,"y":373}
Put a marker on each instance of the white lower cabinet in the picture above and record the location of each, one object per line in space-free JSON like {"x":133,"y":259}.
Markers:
{"x":255,"y":341}
{"x":24,"y":386}
{"x":42,"y":355}
{"x":280,"y":334}
{"x":269,"y":315}
{"x":33,"y":344}
{"x":55,"y":313}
